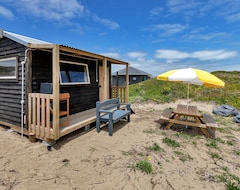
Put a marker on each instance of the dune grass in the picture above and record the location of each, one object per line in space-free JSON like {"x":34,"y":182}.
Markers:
{"x":165,"y":91}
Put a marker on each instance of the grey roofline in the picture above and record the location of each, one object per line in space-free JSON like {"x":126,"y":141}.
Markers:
{"x":24,"y":40}
{"x":131,"y":71}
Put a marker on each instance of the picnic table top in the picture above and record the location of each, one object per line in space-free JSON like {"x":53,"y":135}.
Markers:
{"x":187,"y":110}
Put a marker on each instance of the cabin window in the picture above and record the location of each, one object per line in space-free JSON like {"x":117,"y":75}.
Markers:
{"x":8,"y":68}
{"x":73,"y":73}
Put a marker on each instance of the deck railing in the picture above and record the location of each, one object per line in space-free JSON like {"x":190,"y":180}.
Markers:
{"x":119,"y":91}
{"x":39,"y":117}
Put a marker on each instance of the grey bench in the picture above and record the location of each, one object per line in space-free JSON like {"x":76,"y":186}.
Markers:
{"x":111,"y":111}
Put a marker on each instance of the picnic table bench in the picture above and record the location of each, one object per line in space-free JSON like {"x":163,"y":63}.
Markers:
{"x":111,"y":111}
{"x":211,"y":125}
{"x":166,"y":115}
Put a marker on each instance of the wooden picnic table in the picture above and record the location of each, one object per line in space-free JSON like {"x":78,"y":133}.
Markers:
{"x":189,"y":115}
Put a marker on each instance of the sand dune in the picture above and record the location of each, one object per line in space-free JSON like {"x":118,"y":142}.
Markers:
{"x":91,"y":160}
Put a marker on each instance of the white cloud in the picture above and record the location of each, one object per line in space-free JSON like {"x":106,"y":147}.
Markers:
{"x":112,"y":55}
{"x":205,"y":36}
{"x":213,"y":55}
{"x":53,"y":9}
{"x":174,"y":55}
{"x":106,"y":22}
{"x":168,"y":29}
{"x":60,"y":11}
{"x":156,"y":11}
{"x":171,"y":54}
{"x":185,"y":7}
{"x":228,"y":9}
{"x":136,"y":54}
{"x":5,"y":12}
{"x":233,"y":17}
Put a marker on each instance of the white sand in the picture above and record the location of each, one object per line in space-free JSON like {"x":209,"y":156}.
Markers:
{"x":94,"y":160}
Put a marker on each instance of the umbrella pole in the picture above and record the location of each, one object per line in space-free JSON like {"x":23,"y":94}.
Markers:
{"x":188,"y":93}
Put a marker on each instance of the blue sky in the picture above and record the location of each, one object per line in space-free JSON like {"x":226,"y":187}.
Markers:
{"x":152,"y":35}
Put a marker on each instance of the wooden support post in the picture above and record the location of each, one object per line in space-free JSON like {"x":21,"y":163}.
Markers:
{"x":105,"y":80}
{"x":55,"y":90}
{"x":127,"y":85}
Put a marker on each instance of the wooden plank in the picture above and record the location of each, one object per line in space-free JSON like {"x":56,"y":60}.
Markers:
{"x":89,"y":54}
{"x":41,"y":46}
{"x":34,"y":113}
{"x":188,"y":123}
{"x":48,"y":122}
{"x":105,"y":80}
{"x":167,"y":113}
{"x":209,"y":121}
{"x":66,"y":130}
{"x":187,"y":110}
{"x":55,"y":79}
{"x":43,"y":114}
{"x":127,"y":85}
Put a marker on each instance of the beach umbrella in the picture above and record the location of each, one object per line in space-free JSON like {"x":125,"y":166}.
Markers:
{"x":192,"y":76}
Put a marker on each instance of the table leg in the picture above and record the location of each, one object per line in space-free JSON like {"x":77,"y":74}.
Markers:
{"x":204,"y":131}
{"x":170,"y":124}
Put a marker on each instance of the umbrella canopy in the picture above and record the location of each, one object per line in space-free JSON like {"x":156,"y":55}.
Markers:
{"x":192,"y":76}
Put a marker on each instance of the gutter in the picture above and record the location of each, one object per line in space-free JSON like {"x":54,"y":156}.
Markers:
{"x":23,"y":80}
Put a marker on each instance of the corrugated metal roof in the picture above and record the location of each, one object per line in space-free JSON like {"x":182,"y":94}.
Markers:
{"x":131,"y":71}
{"x":27,"y":41}
{"x":24,"y":40}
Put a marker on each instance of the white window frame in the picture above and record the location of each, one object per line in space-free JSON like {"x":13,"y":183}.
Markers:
{"x":16,"y":71}
{"x":86,"y":76}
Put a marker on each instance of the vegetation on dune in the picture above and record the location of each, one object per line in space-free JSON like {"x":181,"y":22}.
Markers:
{"x":166,"y":91}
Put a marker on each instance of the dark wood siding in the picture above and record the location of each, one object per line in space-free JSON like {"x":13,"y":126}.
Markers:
{"x":82,"y":97}
{"x":10,"y":90}
{"x":41,"y":69}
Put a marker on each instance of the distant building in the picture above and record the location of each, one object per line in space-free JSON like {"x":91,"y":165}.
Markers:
{"x":135,"y":76}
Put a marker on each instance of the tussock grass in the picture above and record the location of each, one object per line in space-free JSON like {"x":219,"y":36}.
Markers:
{"x":165,"y":91}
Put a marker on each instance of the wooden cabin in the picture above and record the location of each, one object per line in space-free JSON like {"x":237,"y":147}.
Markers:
{"x":49,"y":90}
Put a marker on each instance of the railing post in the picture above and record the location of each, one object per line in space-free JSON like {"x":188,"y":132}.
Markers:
{"x":55,"y":79}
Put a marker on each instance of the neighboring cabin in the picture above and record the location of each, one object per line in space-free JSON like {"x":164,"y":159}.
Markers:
{"x":135,"y":76}
{"x":76,"y":77}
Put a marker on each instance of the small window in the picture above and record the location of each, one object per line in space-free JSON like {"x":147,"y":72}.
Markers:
{"x":8,"y":68}
{"x":73,"y":73}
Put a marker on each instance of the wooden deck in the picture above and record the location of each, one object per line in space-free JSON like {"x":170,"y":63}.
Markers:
{"x":42,"y":123}
{"x":78,"y":121}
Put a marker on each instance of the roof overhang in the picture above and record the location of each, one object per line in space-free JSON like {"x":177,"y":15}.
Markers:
{"x":75,"y":51}
{"x":33,"y":43}
{"x":24,"y":40}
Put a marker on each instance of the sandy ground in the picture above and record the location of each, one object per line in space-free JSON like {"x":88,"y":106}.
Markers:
{"x":91,"y":160}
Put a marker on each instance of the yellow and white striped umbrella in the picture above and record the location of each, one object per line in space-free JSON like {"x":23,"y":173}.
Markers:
{"x":192,"y":76}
